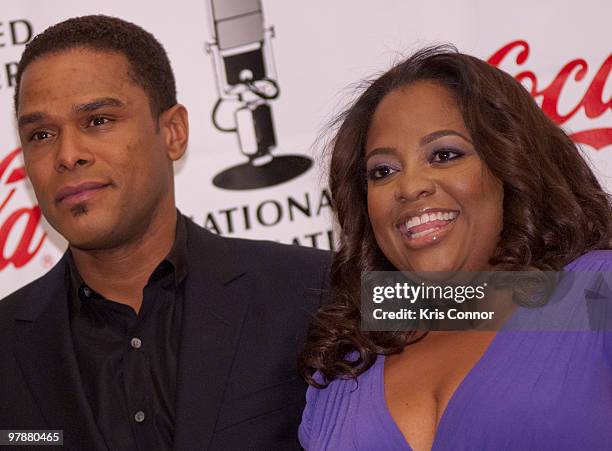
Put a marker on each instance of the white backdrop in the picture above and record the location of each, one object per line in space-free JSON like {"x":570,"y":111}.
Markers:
{"x":320,"y":49}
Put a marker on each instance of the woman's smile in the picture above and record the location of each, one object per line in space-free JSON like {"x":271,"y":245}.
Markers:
{"x":427,"y":228}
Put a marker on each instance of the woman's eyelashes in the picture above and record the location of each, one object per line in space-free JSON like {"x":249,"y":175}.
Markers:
{"x":438,"y":156}
{"x":380,"y":169}
{"x":380,"y":172}
{"x":445,"y":155}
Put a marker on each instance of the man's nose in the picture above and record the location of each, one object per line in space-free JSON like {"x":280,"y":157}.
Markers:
{"x":414,"y":183}
{"x":72,"y":152}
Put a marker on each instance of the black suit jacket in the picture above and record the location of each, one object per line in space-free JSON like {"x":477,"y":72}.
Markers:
{"x":247,"y":306}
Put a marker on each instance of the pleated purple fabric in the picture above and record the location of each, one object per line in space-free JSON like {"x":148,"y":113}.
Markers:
{"x":531,"y":390}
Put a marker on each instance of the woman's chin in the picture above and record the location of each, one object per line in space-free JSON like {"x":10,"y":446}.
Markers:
{"x":432,"y":265}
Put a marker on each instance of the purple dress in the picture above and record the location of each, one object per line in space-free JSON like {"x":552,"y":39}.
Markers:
{"x":531,"y":390}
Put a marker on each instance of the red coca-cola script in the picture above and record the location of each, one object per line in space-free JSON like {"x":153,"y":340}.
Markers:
{"x":576,"y":70}
{"x":25,"y":249}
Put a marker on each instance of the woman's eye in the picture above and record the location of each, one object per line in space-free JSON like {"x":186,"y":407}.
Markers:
{"x":380,"y":172}
{"x":444,"y":155}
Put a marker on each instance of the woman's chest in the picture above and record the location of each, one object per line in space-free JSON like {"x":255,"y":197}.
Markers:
{"x":420,"y":382}
{"x":526,"y":390}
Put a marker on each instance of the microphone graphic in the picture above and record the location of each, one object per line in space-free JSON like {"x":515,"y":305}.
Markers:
{"x":246,"y":83}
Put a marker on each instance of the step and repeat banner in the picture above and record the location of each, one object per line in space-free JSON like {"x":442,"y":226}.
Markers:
{"x":255,"y":165}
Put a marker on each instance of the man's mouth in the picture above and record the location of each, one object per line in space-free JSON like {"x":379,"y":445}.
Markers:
{"x":72,"y":194}
{"x":418,"y":226}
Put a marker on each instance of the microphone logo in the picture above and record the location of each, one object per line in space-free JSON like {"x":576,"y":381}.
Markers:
{"x":246,"y":84}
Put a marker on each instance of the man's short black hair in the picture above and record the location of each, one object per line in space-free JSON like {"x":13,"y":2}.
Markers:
{"x":149,"y":64}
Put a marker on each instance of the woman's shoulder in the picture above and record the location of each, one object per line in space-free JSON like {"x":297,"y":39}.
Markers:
{"x":317,"y":398}
{"x":599,"y":260}
{"x":336,"y":404}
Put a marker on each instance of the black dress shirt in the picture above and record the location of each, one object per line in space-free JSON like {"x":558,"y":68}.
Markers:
{"x":128,"y":361}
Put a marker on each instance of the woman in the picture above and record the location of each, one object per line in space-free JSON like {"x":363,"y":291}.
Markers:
{"x":445,"y":163}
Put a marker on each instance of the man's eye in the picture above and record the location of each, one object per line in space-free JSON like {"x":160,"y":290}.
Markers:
{"x":380,"y":172}
{"x":444,"y":155}
{"x":98,"y":120}
{"x":41,"y":135}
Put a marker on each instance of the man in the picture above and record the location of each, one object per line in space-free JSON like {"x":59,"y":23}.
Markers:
{"x":150,"y":333}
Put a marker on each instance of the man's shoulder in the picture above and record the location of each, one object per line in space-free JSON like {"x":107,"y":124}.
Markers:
{"x":278,"y":251}
{"x":267,"y":253}
{"x":9,"y":304}
{"x":35,"y":289}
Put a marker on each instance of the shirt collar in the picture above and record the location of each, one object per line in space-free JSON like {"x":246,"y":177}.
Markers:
{"x":176,"y":260}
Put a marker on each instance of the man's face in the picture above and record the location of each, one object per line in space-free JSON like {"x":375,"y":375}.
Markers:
{"x":100,"y":167}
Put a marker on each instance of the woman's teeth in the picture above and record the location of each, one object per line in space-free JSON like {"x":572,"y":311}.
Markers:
{"x":428,"y":217}
{"x":427,"y":223}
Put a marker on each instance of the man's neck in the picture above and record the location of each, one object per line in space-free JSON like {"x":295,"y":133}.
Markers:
{"x":121,"y":273}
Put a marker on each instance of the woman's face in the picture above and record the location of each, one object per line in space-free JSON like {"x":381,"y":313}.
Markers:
{"x":432,"y":202}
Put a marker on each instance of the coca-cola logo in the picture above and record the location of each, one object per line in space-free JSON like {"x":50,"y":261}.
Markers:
{"x":574,"y":71}
{"x":12,"y":175}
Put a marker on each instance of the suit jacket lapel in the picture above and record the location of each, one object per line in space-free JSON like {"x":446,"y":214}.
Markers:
{"x":214,"y":310}
{"x":45,"y":354}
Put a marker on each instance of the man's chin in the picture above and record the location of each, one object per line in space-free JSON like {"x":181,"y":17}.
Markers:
{"x":92,"y":241}
{"x":86,"y":232}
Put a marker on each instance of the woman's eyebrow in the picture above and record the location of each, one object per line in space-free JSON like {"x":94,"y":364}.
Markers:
{"x":379,"y":151}
{"x":439,"y":134}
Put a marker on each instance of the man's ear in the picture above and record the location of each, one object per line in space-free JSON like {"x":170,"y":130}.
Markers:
{"x":174,"y":125}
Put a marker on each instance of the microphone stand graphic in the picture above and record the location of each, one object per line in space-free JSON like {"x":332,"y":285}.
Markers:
{"x":246,"y":81}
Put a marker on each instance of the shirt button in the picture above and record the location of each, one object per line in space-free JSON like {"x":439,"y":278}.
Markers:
{"x":136,"y":343}
{"x":86,"y":291}
{"x":139,"y":416}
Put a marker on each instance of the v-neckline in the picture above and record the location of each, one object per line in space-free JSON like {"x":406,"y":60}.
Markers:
{"x":484,"y":358}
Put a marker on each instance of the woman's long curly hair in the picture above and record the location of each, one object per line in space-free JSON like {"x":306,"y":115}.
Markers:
{"x":554,"y":209}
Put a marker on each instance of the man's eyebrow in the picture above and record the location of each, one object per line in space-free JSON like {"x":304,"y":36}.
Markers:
{"x":439,"y":134}
{"x":31,"y":118}
{"x":98,"y":103}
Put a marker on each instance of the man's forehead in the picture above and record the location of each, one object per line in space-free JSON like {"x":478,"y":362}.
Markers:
{"x":76,"y":76}
{"x":87,"y":64}
{"x":80,"y":58}
{"x":82,"y":50}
